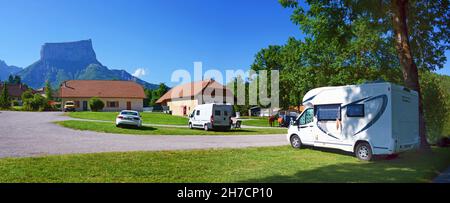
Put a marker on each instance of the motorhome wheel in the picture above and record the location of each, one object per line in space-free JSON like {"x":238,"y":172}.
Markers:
{"x":363,"y":151}
{"x":296,"y":142}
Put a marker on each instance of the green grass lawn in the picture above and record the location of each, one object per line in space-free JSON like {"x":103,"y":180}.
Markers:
{"x":268,"y":164}
{"x":257,"y":121}
{"x":147,"y":117}
{"x":146,"y":130}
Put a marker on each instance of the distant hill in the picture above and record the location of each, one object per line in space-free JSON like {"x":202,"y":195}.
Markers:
{"x":6,"y":70}
{"x":71,"y":61}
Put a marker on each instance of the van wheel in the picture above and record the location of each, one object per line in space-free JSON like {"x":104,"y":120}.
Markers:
{"x":363,"y":151}
{"x":206,"y":127}
{"x":296,"y":142}
{"x":190,"y":125}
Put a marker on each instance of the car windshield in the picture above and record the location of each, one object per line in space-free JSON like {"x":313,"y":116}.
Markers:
{"x":129,"y":113}
{"x":69,"y":103}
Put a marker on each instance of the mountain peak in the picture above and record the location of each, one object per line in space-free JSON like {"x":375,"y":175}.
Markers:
{"x":71,"y":61}
{"x":69,"y":51}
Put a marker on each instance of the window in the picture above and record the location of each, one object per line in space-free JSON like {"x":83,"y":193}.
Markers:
{"x":130,"y":113}
{"x":198,"y":112}
{"x":307,"y":117}
{"x":355,"y":110}
{"x":225,"y":113}
{"x":217,"y":113}
{"x":77,"y":104}
{"x":328,"y":112}
{"x":112,"y":104}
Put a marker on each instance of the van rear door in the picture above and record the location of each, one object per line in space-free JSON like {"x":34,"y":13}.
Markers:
{"x":221,"y":115}
{"x":405,"y":118}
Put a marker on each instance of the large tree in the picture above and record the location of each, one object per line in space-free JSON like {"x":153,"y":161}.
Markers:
{"x":158,"y":93}
{"x":5,"y":101}
{"x":386,"y":33}
{"x":48,"y":91}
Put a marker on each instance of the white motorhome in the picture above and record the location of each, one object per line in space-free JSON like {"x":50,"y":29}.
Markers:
{"x":368,"y":119}
{"x":211,"y":116}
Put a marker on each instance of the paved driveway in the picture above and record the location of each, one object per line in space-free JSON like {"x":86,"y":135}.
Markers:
{"x":25,"y":134}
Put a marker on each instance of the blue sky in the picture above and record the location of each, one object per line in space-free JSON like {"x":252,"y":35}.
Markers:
{"x":159,"y":36}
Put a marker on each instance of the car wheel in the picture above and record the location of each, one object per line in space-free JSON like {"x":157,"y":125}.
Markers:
{"x":296,"y":142}
{"x":363,"y":151}
{"x":190,"y":125}
{"x":206,"y":127}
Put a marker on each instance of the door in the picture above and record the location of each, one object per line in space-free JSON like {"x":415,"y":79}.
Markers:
{"x":184,"y":110}
{"x":221,"y":116}
{"x":196,"y":119}
{"x":85,"y":106}
{"x":128,"y":105}
{"x":306,"y":126}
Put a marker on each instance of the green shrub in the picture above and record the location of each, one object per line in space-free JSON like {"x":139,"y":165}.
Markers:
{"x":15,"y":103}
{"x":35,"y":103}
{"x":435,"y":104}
{"x":96,"y":104}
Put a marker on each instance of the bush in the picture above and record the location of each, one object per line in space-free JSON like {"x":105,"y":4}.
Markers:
{"x":35,"y":103}
{"x":15,"y":103}
{"x":96,"y":104}
{"x":435,"y":104}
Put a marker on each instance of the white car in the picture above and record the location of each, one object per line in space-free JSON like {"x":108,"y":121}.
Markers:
{"x":129,"y":118}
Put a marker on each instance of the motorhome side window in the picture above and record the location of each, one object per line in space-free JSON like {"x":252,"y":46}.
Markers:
{"x":328,"y":112}
{"x":355,"y":110}
{"x":217,"y":112}
{"x":198,"y":112}
{"x":307,"y":117}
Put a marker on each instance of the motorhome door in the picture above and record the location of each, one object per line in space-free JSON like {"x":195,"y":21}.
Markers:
{"x":306,"y":126}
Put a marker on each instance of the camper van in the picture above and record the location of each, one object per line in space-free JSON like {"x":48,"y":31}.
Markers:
{"x":211,"y":116}
{"x":367,"y":119}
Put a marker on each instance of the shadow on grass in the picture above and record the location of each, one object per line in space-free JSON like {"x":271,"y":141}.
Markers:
{"x":351,"y":154}
{"x":409,"y":167}
{"x":230,"y":131}
{"x":350,"y":172}
{"x":142,"y":128}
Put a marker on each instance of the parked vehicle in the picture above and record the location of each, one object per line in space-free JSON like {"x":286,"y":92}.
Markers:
{"x":287,"y":120}
{"x":69,"y":106}
{"x":211,"y":116}
{"x":129,"y":118}
{"x":368,"y":119}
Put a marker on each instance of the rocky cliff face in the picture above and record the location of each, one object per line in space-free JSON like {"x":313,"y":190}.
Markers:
{"x":71,"y":61}
{"x":69,"y":51}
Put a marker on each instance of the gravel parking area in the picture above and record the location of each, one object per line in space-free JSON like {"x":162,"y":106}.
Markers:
{"x":24,"y":134}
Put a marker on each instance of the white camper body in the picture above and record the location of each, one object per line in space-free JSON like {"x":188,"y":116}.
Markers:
{"x":211,"y":116}
{"x":368,"y":119}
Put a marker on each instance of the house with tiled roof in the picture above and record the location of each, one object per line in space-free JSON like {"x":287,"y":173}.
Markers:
{"x":117,"y":95}
{"x":15,"y":91}
{"x":182,"y":99}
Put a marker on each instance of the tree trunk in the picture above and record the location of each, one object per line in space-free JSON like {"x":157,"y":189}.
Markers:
{"x":409,"y":68}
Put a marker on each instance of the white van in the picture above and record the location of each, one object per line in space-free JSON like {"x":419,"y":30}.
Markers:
{"x":211,"y":116}
{"x":368,"y":119}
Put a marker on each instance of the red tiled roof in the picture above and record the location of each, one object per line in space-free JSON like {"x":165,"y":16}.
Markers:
{"x":102,"y":89}
{"x":193,"y":89}
{"x":14,"y":90}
